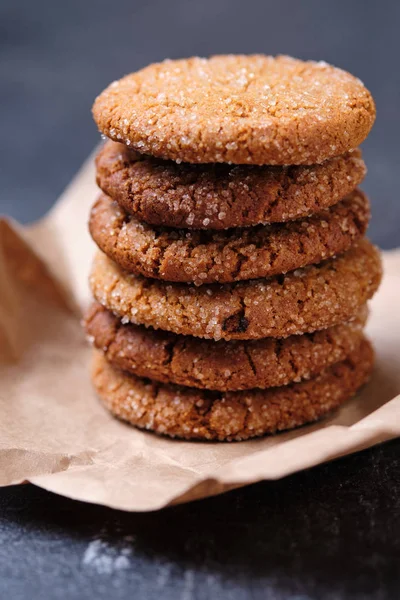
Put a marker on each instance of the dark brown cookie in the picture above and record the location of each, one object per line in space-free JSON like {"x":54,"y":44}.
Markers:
{"x":223,"y":366}
{"x":219,"y":196}
{"x":226,"y":416}
{"x":224,"y":256}
{"x":238,"y":109}
{"x":301,"y":301}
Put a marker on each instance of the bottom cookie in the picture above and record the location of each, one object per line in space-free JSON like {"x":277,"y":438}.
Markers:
{"x":190,"y":413}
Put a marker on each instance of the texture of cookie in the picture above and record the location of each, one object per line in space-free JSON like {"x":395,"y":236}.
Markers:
{"x":225,"y":256}
{"x":238,"y":109}
{"x":223,"y":366}
{"x":226,"y":416}
{"x":301,"y":301}
{"x":220,"y":196}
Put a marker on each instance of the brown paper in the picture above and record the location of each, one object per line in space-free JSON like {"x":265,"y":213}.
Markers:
{"x":55,"y":433}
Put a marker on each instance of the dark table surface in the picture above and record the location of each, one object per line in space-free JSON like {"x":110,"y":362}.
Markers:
{"x":329,"y":533}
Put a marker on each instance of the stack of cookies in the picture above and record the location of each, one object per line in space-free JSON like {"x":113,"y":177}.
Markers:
{"x":232,"y":280}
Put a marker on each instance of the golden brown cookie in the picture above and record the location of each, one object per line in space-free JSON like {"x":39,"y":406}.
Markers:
{"x":223,"y":366}
{"x":301,"y":301}
{"x":226,"y":416}
{"x":224,"y":256}
{"x":238,"y":109}
{"x":220,"y":196}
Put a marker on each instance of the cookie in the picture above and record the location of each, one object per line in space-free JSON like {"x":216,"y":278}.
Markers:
{"x":224,"y":256}
{"x":220,"y":196}
{"x":223,"y":366}
{"x":226,"y":416}
{"x":237,"y":109}
{"x":301,"y":301}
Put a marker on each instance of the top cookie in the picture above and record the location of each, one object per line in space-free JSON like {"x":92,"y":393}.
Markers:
{"x":238,"y":109}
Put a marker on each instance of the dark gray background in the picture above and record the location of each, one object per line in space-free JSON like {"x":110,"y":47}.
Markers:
{"x":332,"y":532}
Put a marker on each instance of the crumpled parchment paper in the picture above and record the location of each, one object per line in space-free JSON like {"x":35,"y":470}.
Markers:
{"x":55,"y":433}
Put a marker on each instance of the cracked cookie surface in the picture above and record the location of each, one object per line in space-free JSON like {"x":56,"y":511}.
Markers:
{"x":237,"y":109}
{"x":225,"y":256}
{"x":221,"y":196}
{"x":190,"y":413}
{"x":223,"y":366}
{"x":305,"y":300}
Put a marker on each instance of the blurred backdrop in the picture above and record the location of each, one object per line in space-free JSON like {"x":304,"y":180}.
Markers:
{"x":56,"y":56}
